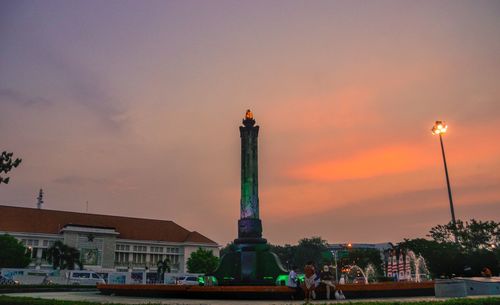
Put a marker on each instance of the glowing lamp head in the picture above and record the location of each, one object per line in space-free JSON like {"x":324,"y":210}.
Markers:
{"x":248,"y":121}
{"x":249,"y":115}
{"x":439,"y":128}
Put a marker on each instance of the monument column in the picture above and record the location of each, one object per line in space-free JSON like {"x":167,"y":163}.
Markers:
{"x":249,"y":225}
{"x":250,"y":262}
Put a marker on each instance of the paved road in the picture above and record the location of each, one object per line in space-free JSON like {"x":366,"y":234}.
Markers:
{"x":97,"y":297}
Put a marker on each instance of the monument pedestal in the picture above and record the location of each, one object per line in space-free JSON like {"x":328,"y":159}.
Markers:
{"x":249,"y":264}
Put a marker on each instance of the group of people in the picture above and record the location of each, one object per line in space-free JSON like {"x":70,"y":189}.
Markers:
{"x":312,"y":279}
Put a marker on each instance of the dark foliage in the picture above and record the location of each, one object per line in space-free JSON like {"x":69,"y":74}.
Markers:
{"x":202,"y":261}
{"x":7,"y":164}
{"x":13,"y":254}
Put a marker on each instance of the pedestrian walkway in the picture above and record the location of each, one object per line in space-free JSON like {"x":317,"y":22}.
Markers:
{"x":97,"y":297}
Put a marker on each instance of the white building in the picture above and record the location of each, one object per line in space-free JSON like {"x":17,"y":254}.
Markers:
{"x":106,"y":243}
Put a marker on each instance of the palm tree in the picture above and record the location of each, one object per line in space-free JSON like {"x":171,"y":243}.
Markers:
{"x":163,"y":266}
{"x":62,"y":256}
{"x":71,"y":258}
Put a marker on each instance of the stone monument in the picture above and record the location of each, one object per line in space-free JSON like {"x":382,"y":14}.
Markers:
{"x":250,"y":262}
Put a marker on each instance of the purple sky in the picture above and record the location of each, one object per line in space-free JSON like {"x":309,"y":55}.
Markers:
{"x":134,"y":106}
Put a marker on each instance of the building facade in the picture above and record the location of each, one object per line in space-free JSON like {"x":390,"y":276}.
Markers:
{"x":106,"y":243}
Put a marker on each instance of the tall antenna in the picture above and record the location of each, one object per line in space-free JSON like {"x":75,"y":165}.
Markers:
{"x":39,"y":201}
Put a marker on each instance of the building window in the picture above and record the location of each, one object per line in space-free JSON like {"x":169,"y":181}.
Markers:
{"x":44,"y":254}
{"x":156,"y":249}
{"x":45,"y":243}
{"x":121,"y":247}
{"x":121,"y":258}
{"x":140,"y":248}
{"x":139,"y":258}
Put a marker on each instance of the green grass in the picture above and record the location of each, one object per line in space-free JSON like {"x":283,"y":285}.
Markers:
{"x":7,"y":300}
{"x":458,"y":301}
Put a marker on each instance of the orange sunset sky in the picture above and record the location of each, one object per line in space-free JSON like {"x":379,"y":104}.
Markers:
{"x":134,"y":107}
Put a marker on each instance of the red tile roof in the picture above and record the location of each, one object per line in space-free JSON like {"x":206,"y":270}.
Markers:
{"x":17,"y":219}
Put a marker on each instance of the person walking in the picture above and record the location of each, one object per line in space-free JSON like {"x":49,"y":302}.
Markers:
{"x":327,"y":279}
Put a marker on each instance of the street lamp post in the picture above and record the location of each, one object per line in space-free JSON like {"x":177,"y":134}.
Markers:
{"x":440,"y":128}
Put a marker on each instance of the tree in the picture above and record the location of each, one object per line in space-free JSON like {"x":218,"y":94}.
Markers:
{"x":6,"y":165}
{"x":163,"y":266}
{"x":13,"y":254}
{"x":442,"y":259}
{"x":311,"y":249}
{"x":62,"y":256}
{"x":286,"y":254}
{"x":230,"y":247}
{"x":471,"y":236}
{"x":362,"y":258}
{"x":202,"y":261}
{"x":477,"y":246}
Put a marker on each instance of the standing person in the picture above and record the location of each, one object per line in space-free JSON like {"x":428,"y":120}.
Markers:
{"x":326,"y":277}
{"x":309,"y":281}
{"x":293,"y":282}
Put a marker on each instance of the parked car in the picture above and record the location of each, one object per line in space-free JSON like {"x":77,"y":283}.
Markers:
{"x":6,"y":281}
{"x":84,"y":278}
{"x":187,"y":280}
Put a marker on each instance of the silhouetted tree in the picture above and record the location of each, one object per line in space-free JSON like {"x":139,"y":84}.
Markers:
{"x":230,"y":247}
{"x":477,"y":246}
{"x":362,"y":258}
{"x":13,"y":254}
{"x":442,"y":259}
{"x":6,"y":165}
{"x":471,"y":236}
{"x":163,"y":266}
{"x":286,"y":254}
{"x":310,"y":249}
{"x":62,"y":256}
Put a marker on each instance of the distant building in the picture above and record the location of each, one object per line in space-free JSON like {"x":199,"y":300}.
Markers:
{"x":379,"y":246}
{"x":106,"y":243}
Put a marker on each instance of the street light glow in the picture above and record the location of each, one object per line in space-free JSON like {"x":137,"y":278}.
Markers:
{"x":439,"y":128}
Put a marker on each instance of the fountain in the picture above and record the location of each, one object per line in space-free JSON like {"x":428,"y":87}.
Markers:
{"x":356,"y":268}
{"x":419,"y":266}
{"x":370,"y":273}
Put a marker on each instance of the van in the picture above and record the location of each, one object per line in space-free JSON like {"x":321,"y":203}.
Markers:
{"x":84,"y":278}
{"x":188,"y":280}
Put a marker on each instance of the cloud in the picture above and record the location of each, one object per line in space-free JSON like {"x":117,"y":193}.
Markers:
{"x":8,"y":95}
{"x":85,"y":88}
{"x":79,"y":180}
{"x":372,"y":163}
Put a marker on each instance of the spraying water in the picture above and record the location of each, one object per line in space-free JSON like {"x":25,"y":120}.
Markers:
{"x":419,"y":267}
{"x":355,"y":270}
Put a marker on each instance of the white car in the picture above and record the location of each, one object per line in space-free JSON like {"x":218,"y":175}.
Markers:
{"x":84,"y":278}
{"x":188,"y":280}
